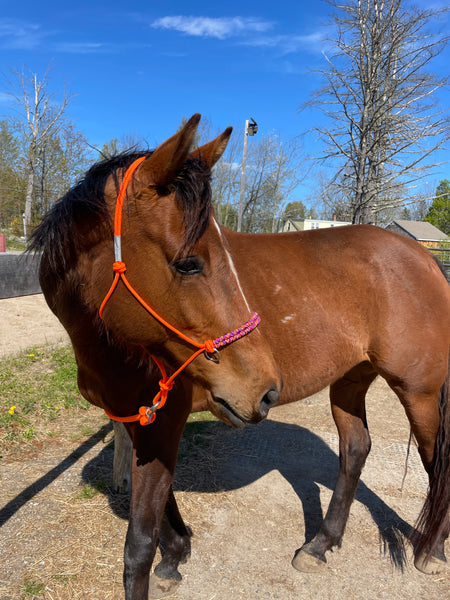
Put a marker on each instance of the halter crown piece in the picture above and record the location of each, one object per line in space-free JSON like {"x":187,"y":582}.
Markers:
{"x":210,"y":348}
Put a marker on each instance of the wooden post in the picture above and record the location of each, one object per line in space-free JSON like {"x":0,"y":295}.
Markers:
{"x":123,"y":456}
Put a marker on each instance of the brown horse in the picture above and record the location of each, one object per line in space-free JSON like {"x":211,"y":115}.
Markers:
{"x":338,"y":307}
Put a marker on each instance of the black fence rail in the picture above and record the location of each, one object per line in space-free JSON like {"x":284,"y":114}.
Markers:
{"x":443,"y":254}
{"x":19,"y":274}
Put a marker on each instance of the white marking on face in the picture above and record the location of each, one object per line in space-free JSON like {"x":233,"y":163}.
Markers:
{"x":277,"y":289}
{"x":233,"y":268}
{"x":287,"y":318}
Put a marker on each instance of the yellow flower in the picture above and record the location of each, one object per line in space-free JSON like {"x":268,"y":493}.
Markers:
{"x":32,"y":355}
{"x":12,"y":410}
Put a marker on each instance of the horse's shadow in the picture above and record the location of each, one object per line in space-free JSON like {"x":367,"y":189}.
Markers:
{"x":215,"y":457}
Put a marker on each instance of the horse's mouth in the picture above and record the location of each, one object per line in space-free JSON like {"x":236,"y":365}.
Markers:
{"x":228,"y":414}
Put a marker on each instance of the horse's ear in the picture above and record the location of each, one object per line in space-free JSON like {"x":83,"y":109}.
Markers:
{"x":163,"y":165}
{"x":211,"y":152}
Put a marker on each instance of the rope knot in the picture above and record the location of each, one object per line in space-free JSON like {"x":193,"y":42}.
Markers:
{"x":119,"y":266}
{"x":209,"y":346}
{"x":165,"y":386}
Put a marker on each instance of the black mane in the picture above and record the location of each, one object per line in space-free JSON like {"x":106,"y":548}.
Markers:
{"x":57,"y":235}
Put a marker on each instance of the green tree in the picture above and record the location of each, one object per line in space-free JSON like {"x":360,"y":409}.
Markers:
{"x":110,"y":149}
{"x":295,"y":210}
{"x":126,"y":142}
{"x":12,"y":181}
{"x":439,"y":212}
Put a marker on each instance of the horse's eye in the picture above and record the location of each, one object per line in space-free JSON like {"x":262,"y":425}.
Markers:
{"x":188,"y":266}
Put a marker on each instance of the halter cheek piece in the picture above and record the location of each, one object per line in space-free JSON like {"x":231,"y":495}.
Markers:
{"x":210,"y":348}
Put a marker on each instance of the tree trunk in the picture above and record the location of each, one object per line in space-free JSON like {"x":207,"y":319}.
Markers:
{"x":28,"y":203}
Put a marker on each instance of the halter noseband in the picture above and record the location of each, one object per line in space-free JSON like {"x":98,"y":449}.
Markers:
{"x":210,"y":348}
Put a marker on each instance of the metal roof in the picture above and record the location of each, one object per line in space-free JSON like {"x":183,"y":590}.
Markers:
{"x":421,"y":230}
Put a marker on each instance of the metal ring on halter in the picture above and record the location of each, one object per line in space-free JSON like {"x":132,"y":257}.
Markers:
{"x":215,"y":357}
{"x":152,"y":409}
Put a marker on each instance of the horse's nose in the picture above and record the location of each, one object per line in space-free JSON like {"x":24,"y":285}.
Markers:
{"x":267,"y":401}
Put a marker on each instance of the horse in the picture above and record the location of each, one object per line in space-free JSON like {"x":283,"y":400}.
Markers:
{"x":145,"y":281}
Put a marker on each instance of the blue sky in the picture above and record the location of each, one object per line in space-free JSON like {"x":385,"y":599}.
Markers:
{"x":139,"y":67}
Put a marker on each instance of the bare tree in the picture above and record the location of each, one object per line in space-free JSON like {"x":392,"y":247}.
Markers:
{"x":381,"y":102}
{"x":273,"y":172}
{"x":63,"y":159}
{"x":225,"y":183}
{"x":39,"y":117}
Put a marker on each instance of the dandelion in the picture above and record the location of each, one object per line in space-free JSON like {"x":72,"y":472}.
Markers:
{"x":12,"y":410}
{"x":31,"y":355}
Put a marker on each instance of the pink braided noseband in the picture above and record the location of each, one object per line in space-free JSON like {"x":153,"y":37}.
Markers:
{"x":234,"y":335}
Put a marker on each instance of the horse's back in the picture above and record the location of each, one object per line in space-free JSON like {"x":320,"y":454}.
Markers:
{"x":334,"y":298}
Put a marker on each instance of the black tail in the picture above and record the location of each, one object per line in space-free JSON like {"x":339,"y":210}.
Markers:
{"x":434,"y":520}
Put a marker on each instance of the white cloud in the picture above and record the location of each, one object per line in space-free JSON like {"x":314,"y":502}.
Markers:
{"x":80,"y":47}
{"x":5,"y":98}
{"x":288,"y":44}
{"x":220,"y":28}
{"x":16,"y":34}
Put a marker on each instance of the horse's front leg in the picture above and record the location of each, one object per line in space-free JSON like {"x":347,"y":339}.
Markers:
{"x":155,"y":450}
{"x":348,"y":406}
{"x":175,"y":546}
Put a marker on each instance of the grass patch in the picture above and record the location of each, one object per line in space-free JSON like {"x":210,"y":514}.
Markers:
{"x":36,"y":387}
{"x":32,"y":588}
{"x":88,"y":491}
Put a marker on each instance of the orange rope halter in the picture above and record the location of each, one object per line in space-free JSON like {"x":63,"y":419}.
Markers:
{"x":146,"y":414}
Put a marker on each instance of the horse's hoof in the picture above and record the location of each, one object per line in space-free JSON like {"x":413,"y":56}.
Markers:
{"x":160,"y":588}
{"x":307,"y":563}
{"x":432,"y":566}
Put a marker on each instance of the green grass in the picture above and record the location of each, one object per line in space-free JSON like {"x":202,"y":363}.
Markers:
{"x":14,"y":242}
{"x":39,"y":387}
{"x":88,"y":491}
{"x":32,"y":588}
{"x":36,"y":386}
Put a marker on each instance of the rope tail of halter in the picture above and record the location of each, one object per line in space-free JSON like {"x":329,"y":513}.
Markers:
{"x":210,"y":348}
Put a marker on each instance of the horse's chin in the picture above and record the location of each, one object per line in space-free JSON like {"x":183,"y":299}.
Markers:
{"x":225,"y":412}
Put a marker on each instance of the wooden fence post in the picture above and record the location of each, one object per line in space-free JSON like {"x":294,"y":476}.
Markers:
{"x":123,"y":456}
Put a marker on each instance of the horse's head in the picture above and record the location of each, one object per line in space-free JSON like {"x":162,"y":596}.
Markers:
{"x":178,"y":262}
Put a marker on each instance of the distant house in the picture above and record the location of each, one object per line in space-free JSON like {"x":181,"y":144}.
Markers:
{"x":308,"y":224}
{"x":421,"y":231}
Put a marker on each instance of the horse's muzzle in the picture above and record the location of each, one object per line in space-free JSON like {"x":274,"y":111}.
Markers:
{"x":232,"y":416}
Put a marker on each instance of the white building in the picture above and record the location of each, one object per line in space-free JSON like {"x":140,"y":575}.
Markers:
{"x":308,"y":224}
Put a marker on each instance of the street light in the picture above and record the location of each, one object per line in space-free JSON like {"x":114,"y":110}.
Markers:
{"x":250,"y":129}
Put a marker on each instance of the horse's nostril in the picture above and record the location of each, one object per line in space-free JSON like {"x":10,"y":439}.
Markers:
{"x":268,"y":400}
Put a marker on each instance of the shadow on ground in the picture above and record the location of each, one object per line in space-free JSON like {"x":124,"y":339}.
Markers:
{"x":214,"y":457}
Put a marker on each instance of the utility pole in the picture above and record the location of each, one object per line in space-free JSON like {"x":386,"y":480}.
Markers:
{"x":250,"y":129}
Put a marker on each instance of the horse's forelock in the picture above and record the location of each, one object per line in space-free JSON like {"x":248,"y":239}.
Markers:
{"x":57,"y":231}
{"x":193,"y":193}
{"x":192,"y":189}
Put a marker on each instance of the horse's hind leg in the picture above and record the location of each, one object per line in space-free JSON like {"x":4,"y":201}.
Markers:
{"x":347,"y":397}
{"x":422,"y":410}
{"x":175,"y":546}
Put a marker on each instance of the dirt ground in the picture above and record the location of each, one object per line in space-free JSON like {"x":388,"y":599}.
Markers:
{"x":251,"y":498}
{"x":25,"y":322}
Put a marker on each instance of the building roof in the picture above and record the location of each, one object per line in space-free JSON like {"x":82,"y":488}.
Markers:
{"x":421,"y":230}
